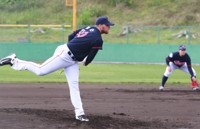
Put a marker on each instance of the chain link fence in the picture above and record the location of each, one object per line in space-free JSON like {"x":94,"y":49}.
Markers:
{"x":34,"y":33}
{"x":128,"y":34}
{"x":154,"y":34}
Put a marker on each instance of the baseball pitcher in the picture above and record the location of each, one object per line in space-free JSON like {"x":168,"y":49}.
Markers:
{"x":83,"y":45}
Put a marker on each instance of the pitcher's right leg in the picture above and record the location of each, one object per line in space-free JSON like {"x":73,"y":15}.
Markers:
{"x":72,"y":74}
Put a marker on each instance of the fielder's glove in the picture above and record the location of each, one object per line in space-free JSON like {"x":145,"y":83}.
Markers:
{"x":195,"y":84}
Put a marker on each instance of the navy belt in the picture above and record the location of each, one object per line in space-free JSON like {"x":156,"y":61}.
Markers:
{"x":71,"y":55}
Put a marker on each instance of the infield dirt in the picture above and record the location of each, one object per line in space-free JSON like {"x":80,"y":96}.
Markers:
{"x":108,"y":106}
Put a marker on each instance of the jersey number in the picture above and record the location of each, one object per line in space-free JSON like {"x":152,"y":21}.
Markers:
{"x":82,"y":33}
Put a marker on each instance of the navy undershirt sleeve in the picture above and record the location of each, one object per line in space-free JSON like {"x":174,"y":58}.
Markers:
{"x":189,"y":65}
{"x":91,"y":56}
{"x":191,"y":72}
{"x":167,"y":60}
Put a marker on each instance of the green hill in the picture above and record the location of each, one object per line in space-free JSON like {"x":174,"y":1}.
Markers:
{"x":148,"y":12}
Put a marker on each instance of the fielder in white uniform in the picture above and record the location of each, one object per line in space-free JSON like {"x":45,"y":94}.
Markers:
{"x":179,"y":60}
{"x":83,"y":45}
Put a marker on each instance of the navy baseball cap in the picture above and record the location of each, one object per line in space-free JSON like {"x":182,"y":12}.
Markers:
{"x":104,"y":20}
{"x":182,"y":48}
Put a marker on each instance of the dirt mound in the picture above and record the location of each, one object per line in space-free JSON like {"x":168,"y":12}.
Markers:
{"x":55,"y":119}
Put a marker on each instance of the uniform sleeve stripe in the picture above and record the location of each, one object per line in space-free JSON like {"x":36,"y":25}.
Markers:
{"x":97,"y":47}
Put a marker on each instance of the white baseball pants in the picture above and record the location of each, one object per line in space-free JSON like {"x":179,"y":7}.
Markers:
{"x":184,"y":68}
{"x":60,"y":59}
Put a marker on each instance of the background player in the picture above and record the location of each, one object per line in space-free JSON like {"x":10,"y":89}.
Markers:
{"x":179,"y":60}
{"x":83,"y":45}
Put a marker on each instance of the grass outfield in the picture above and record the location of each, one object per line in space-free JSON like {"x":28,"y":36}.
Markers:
{"x":101,"y":73}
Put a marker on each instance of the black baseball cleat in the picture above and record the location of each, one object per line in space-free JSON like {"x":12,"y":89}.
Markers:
{"x":82,"y":118}
{"x":8,"y":60}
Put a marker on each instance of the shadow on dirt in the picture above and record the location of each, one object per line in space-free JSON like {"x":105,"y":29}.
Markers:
{"x":64,"y":119}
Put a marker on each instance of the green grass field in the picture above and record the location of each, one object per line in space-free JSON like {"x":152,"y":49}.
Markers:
{"x":101,"y":73}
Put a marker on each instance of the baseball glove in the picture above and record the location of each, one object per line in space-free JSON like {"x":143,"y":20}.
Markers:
{"x":195,"y":84}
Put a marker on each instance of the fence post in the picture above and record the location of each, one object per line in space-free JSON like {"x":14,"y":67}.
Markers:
{"x":127,"y":38}
{"x":189,"y":36}
{"x":63,"y":34}
{"x":28,"y":33}
{"x":158,"y":34}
